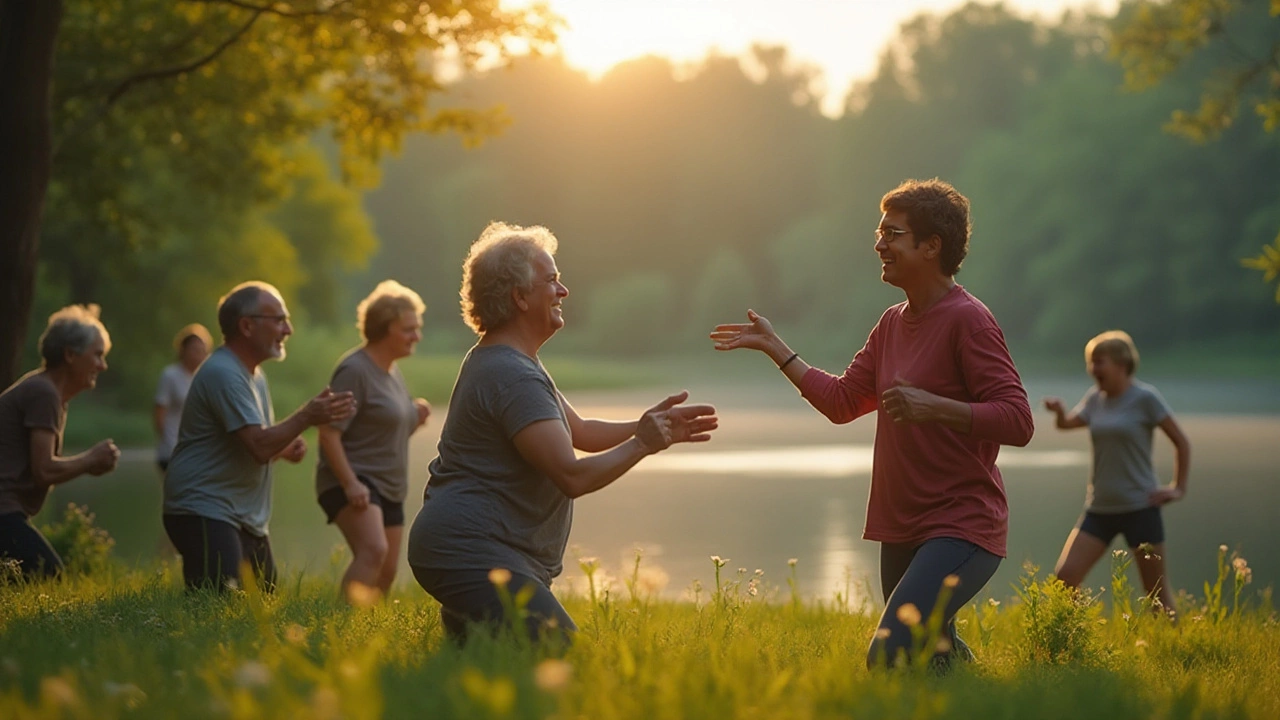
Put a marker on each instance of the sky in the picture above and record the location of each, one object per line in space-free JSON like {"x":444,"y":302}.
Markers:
{"x":843,"y":38}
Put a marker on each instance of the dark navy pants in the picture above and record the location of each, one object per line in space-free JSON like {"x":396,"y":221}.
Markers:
{"x":914,"y":574}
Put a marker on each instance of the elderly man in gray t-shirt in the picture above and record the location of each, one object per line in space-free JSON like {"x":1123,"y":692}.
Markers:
{"x":217,"y":491}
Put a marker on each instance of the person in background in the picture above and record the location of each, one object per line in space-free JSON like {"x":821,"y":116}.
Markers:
{"x":936,"y":371}
{"x":499,"y":502}
{"x":217,"y":490}
{"x":33,"y":414}
{"x":1124,"y":496}
{"x":193,"y":344}
{"x":362,"y":477}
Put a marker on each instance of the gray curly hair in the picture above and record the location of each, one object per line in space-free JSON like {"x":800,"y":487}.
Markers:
{"x":73,"y":328}
{"x":501,"y":260}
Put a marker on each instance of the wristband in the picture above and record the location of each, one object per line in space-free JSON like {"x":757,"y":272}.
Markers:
{"x":788,"y":360}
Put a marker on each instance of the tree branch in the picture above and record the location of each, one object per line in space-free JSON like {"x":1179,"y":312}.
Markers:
{"x":175,"y":70}
{"x":274,"y":9}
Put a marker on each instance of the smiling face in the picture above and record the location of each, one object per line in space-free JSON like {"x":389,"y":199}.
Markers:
{"x":83,"y":368}
{"x":403,"y":335}
{"x":268,"y":328}
{"x":904,"y":258}
{"x":541,"y":304}
{"x":1109,"y":374}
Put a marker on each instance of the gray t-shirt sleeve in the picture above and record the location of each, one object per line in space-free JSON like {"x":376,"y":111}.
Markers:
{"x":348,"y":378}
{"x":164,"y":389}
{"x":1155,"y":407}
{"x":235,"y":404}
{"x":1084,"y":408}
{"x":523,"y":401}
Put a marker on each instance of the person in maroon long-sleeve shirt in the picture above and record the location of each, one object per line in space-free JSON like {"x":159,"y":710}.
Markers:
{"x":936,"y":371}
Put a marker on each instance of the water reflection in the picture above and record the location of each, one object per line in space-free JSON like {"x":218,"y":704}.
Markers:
{"x":824,"y":461}
{"x":840,"y":569}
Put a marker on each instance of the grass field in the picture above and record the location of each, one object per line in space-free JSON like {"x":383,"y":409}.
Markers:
{"x":129,"y":644}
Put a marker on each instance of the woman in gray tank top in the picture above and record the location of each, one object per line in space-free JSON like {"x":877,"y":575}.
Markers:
{"x":498,"y":506}
{"x":1124,"y":495}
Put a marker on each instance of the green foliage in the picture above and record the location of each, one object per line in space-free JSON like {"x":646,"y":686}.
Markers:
{"x":1085,"y":218}
{"x":722,"y":293}
{"x":1059,"y":622}
{"x":182,"y":163}
{"x":627,"y":318}
{"x":83,"y":547}
{"x":1268,"y":261}
{"x":1236,"y":43}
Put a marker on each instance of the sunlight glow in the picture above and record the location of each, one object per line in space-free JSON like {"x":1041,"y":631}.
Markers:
{"x":843,"y":38}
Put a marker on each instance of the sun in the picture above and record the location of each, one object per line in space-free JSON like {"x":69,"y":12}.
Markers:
{"x":599,"y":34}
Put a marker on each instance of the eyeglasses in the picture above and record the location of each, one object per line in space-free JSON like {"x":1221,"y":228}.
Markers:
{"x":888,"y":234}
{"x":279,"y":319}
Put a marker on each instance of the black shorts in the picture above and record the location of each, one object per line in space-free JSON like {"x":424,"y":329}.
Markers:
{"x":1138,"y":526}
{"x":334,"y":499}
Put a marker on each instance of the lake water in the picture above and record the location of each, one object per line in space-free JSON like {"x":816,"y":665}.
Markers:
{"x":779,"y":481}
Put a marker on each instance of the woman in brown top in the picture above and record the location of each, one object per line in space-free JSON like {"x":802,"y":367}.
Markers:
{"x":33,"y":413}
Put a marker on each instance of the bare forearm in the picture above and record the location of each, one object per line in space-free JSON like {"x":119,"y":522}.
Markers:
{"x":599,"y":435}
{"x":779,"y":352}
{"x":591,"y":473}
{"x":267,"y":443}
{"x":1182,"y":466}
{"x":58,"y":470}
{"x":157,"y":420}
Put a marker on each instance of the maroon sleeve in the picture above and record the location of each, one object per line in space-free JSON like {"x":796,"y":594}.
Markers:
{"x":1001,"y":412}
{"x":850,"y":396}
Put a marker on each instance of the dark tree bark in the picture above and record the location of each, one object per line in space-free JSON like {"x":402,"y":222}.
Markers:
{"x":28,"y":34}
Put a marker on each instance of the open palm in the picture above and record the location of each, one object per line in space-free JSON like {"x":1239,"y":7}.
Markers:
{"x":754,"y":335}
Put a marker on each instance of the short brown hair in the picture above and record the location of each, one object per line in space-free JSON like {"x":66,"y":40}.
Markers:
{"x":934,"y":207}
{"x":501,"y":260}
{"x":1115,"y":344}
{"x":387,"y":302}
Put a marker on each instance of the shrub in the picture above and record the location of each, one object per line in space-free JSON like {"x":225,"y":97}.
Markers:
{"x":83,"y":547}
{"x":1058,"y":621}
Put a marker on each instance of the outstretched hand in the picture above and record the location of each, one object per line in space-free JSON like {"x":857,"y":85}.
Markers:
{"x":757,"y":334}
{"x":669,"y":422}
{"x":329,"y":407}
{"x":1054,"y":405}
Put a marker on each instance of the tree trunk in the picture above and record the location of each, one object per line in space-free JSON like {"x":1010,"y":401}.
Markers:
{"x":28,"y":34}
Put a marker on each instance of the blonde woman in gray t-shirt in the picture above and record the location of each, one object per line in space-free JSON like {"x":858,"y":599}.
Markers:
{"x":363,"y":474}
{"x":1124,"y":495}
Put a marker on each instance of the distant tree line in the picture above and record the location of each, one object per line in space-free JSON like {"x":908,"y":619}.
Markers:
{"x":684,"y":195}
{"x":682,"y":198}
